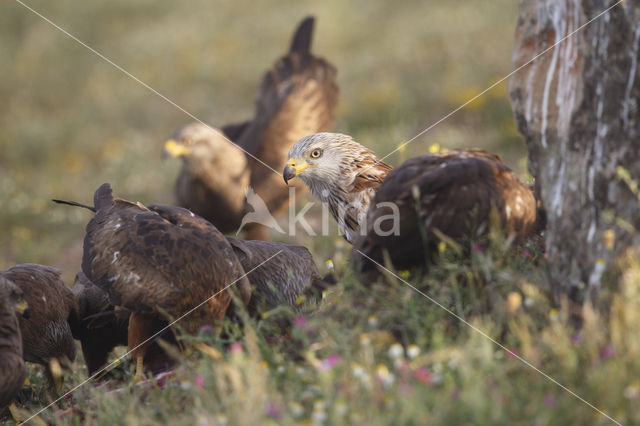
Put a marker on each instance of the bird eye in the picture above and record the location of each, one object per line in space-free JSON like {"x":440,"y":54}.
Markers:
{"x":188,"y":141}
{"x":316,"y":153}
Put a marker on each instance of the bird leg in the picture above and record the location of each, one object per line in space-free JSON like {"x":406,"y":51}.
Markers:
{"x":20,"y":415}
{"x":140,"y":329}
{"x":54,"y":375}
{"x":15,"y":413}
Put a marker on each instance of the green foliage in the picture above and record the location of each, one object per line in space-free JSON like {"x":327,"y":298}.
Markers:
{"x":70,"y":121}
{"x":388,"y":355}
{"x":383,"y":355}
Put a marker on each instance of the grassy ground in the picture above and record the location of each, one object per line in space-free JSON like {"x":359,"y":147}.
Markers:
{"x":69,"y":122}
{"x":389,"y":355}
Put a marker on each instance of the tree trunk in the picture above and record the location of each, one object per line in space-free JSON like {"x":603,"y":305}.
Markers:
{"x":577,"y":106}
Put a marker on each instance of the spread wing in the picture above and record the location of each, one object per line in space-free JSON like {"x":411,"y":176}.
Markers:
{"x":452,"y":194}
{"x":296,"y":98}
{"x":160,"y":258}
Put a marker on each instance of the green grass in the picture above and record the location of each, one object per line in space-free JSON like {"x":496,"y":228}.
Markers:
{"x":69,"y":122}
{"x":388,"y":355}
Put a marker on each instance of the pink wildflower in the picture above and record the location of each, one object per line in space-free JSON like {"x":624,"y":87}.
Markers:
{"x":549,"y":401}
{"x":301,"y":323}
{"x":236,"y":348}
{"x":423,"y":375}
{"x":199,"y":381}
{"x":329,"y":362}
{"x":607,"y":352}
{"x":272,"y":411}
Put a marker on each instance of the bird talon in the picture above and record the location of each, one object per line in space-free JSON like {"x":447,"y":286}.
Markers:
{"x":139,"y":377}
{"x":16,"y":413}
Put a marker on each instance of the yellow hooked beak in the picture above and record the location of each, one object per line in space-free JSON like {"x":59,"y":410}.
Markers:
{"x":22,"y":308}
{"x":294,"y":167}
{"x":175,"y":149}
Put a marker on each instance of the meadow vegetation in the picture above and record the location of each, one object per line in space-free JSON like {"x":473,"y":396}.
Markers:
{"x":386,"y":354}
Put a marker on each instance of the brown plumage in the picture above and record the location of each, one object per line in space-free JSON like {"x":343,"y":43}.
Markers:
{"x":103,"y":326}
{"x":47,"y":332}
{"x":288,"y":274}
{"x":159,"y":259}
{"x":341,"y":173}
{"x":454,"y":194}
{"x":12,"y":369}
{"x":451,"y":194}
{"x":296,"y":98}
{"x":99,"y":329}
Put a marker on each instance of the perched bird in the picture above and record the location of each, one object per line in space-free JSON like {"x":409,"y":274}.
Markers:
{"x":12,"y":369}
{"x":341,"y":173}
{"x":214,"y":176}
{"x":408,"y":210}
{"x":46,"y":335}
{"x":159,"y":260}
{"x":296,"y":98}
{"x":289,"y":273}
{"x":279,"y":275}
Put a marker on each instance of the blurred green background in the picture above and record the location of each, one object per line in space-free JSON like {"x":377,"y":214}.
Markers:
{"x":69,"y":121}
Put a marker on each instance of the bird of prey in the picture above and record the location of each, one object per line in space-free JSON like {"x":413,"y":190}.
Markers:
{"x":99,"y":328}
{"x":296,"y":98}
{"x":451,"y":194}
{"x":46,"y":335}
{"x":12,"y":369}
{"x":341,"y":173}
{"x":289,"y":274}
{"x":155,"y":260}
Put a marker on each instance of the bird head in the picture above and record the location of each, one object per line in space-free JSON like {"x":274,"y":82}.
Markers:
{"x":10,"y":292}
{"x":194,"y":140}
{"x":322,"y":159}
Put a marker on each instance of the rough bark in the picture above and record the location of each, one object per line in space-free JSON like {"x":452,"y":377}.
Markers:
{"x":577,"y":106}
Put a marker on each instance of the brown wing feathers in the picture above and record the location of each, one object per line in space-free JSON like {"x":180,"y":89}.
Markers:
{"x":296,"y":97}
{"x":456,"y":193}
{"x":47,"y":333}
{"x":289,"y":273}
{"x":371,"y":176}
{"x":12,"y":369}
{"x":165,"y":258}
